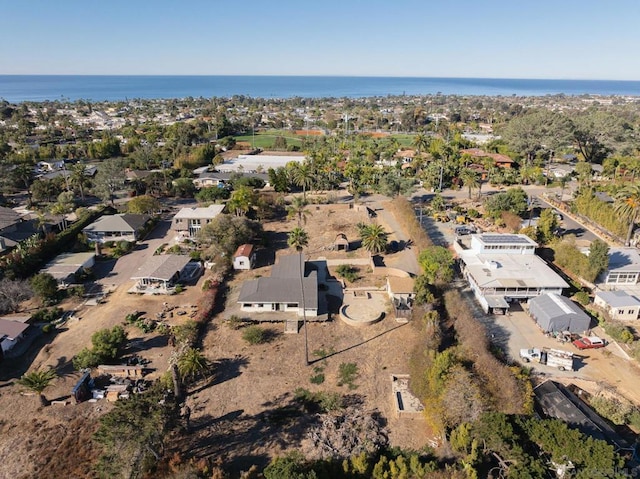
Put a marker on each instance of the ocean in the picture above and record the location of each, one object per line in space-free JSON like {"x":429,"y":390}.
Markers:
{"x":21,"y":88}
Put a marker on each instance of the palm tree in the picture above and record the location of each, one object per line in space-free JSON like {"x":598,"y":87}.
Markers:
{"x":470,"y":179}
{"x":192,"y":363}
{"x":627,"y":205}
{"x":303,"y":176}
{"x":297,"y":208}
{"x":241,"y":201}
{"x":79,"y":177}
{"x":420,"y":142}
{"x":374,"y":238}
{"x":37,"y":381}
{"x":298,"y":238}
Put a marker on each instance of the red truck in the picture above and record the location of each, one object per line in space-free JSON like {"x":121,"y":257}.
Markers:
{"x":591,"y":342}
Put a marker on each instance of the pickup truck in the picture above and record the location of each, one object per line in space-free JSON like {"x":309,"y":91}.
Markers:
{"x":591,"y":342}
{"x":555,"y":358}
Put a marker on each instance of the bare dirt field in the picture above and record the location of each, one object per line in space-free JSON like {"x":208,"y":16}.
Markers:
{"x":238,"y":414}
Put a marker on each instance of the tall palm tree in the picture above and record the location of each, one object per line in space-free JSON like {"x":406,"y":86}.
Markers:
{"x":470,"y":178}
{"x":192,"y":363}
{"x":37,"y":381}
{"x":374,"y":238}
{"x":298,"y":208}
{"x":303,"y":176}
{"x":298,"y":238}
{"x":78,"y":177}
{"x":420,"y":142}
{"x":627,"y":205}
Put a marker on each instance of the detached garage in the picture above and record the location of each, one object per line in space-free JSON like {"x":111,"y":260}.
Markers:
{"x":554,"y":313}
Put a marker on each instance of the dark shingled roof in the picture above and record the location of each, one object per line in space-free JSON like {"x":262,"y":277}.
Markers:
{"x":284,"y":284}
{"x":8,"y":217}
{"x":556,"y":401}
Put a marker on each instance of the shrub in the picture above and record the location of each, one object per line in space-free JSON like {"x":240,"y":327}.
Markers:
{"x":582,"y":297}
{"x":254,"y":335}
{"x":47,"y":328}
{"x":46,"y":315}
{"x":348,"y":272}
{"x":347,"y":374}
{"x":45,"y":286}
{"x":186,"y":333}
{"x":618,"y":331}
{"x":179,"y":288}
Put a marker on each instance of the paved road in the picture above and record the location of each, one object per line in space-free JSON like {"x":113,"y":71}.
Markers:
{"x":570,"y":225}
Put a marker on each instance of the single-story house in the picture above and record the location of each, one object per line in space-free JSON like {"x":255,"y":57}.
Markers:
{"x":189,"y":221}
{"x":624,"y":267}
{"x":553,"y":312}
{"x":223,"y":178}
{"x":11,"y":332}
{"x":244,"y":257}
{"x":619,"y":304}
{"x":292,"y":287}
{"x":66,"y":266}
{"x":160,"y":273}
{"x":120,"y":227}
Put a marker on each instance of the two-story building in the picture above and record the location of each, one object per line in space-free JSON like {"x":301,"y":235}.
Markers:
{"x":189,"y":221}
{"x":501,"y":268}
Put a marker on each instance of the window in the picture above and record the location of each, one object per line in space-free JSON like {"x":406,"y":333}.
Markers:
{"x":241,"y":263}
{"x":260,"y":305}
{"x":631,"y":311}
{"x":621,"y":311}
{"x":292,"y":305}
{"x":246,"y":305}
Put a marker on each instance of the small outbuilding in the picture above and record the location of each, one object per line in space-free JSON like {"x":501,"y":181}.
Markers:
{"x":619,"y":304}
{"x":553,"y":312}
{"x":244,"y":257}
{"x":341,"y":243}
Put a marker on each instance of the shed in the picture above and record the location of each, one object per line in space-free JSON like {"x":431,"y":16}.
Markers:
{"x":244,"y":257}
{"x":341,"y":243}
{"x":553,"y":312}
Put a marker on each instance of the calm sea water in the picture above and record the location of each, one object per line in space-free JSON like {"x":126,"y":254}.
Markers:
{"x":18,"y":88}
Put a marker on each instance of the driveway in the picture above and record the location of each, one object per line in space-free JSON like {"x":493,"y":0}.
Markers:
{"x":114,"y":273}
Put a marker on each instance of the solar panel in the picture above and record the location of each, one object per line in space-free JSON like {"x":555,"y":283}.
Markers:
{"x":499,"y":239}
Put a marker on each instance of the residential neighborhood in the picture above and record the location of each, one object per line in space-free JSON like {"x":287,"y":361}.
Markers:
{"x":248,"y":284}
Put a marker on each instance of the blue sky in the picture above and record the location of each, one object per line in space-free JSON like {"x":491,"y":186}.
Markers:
{"x":566,"y":39}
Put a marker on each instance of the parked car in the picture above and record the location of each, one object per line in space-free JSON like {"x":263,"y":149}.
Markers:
{"x":591,"y":342}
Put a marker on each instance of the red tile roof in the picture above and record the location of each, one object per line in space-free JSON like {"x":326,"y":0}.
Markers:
{"x":244,"y":250}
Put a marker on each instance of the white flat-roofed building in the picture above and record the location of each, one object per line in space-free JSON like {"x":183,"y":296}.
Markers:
{"x":254,"y":163}
{"x":503,"y":268}
{"x":624,"y":267}
{"x":503,"y":243}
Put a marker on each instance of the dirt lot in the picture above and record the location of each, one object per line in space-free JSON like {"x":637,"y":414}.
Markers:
{"x":250,"y":382}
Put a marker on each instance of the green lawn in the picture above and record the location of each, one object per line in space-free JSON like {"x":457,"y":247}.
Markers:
{"x":265,"y":139}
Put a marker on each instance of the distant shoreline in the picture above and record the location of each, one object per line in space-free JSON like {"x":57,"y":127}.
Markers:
{"x":23,"y":88}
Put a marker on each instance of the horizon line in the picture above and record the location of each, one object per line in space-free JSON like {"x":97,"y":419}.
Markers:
{"x":301,"y":76}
